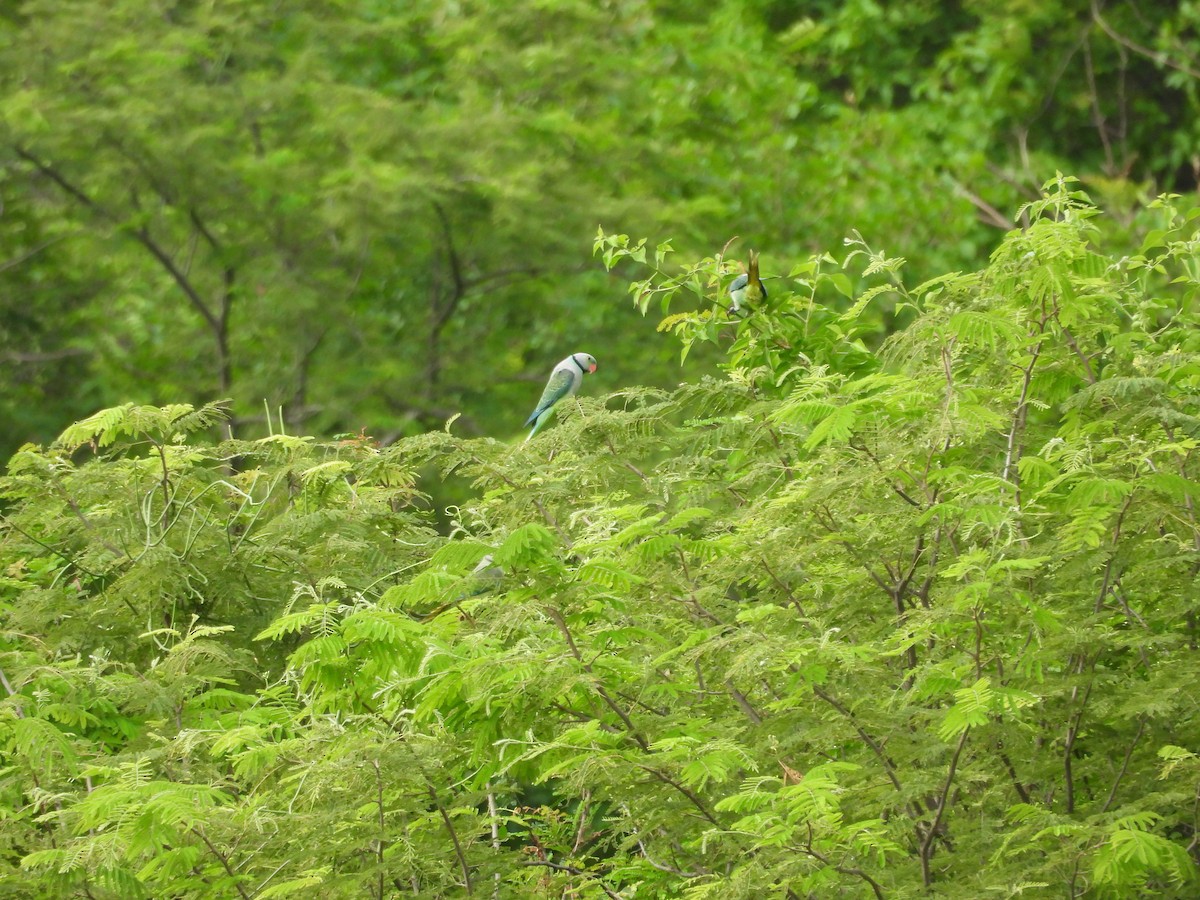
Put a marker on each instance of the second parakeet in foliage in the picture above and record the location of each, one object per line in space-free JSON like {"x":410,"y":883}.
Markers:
{"x":747,"y":289}
{"x":564,"y":381}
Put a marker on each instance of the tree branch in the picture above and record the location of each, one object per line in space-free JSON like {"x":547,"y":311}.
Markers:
{"x":458,"y":850}
{"x":1069,"y":747}
{"x":927,"y":838}
{"x":876,"y":888}
{"x":382,"y":824}
{"x":29,"y":254}
{"x":987,"y":213}
{"x":744,"y":704}
{"x":1125,"y":764}
{"x":683,"y":789}
{"x":1157,"y":56}
{"x":33,"y":358}
{"x":604,"y":695}
{"x":1012,"y":453}
{"x":888,"y":766}
{"x":215,"y":323}
{"x":560,"y":867}
{"x":17,"y":708}
{"x":442,"y":315}
{"x":787,"y":592}
{"x":224,"y":862}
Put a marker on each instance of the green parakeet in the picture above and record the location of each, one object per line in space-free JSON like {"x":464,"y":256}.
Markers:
{"x":747,"y":288}
{"x":564,"y":381}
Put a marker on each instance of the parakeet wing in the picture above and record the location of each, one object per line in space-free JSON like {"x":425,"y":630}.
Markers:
{"x":737,"y":293}
{"x":557,"y":387}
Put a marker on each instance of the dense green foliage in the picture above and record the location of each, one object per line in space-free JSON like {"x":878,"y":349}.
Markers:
{"x":376,"y":214}
{"x":894,"y":596}
{"x":840,"y":621}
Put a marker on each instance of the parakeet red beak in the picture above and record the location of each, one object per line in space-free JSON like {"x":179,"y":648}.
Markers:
{"x":592,"y":368}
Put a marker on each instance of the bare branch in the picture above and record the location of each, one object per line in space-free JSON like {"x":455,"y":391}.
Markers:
{"x":1157,"y":56}
{"x":683,"y":789}
{"x":931,"y":832}
{"x":224,"y":862}
{"x":44,"y":357}
{"x":29,"y":254}
{"x":612,"y":704}
{"x":458,"y":850}
{"x":876,"y":887}
{"x":987,"y":213}
{"x":1125,"y":764}
{"x":217,"y":324}
{"x":888,"y":766}
{"x":561,"y":867}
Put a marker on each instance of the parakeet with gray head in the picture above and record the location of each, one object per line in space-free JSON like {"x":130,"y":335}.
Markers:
{"x":747,"y":289}
{"x":564,"y":381}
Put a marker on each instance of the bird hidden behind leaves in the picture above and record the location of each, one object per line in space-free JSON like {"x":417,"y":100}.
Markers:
{"x":747,"y":289}
{"x":564,"y":381}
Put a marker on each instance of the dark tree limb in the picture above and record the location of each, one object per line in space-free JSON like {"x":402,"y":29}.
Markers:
{"x":1156,"y":56}
{"x":561,"y":867}
{"x":612,"y":704}
{"x":1125,"y":764}
{"x":683,"y":789}
{"x":876,"y":887}
{"x":1069,"y":749}
{"x":888,"y":765}
{"x":217,"y":322}
{"x":931,"y":832}
{"x":224,"y":860}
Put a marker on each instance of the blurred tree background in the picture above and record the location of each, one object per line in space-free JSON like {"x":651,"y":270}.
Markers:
{"x":374,"y":215}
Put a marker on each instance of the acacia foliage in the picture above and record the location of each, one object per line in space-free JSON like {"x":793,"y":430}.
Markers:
{"x":841,"y":622}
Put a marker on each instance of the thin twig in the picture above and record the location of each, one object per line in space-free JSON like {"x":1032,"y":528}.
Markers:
{"x":744,"y":704}
{"x":663,"y":867}
{"x":224,"y":862}
{"x":631,"y":729}
{"x":382,"y":825}
{"x":17,"y":260}
{"x":683,"y":789}
{"x":888,"y":766}
{"x":1156,"y":56}
{"x":217,"y":325}
{"x":931,"y":832}
{"x":787,"y":592}
{"x":560,"y":867}
{"x":1097,"y":113}
{"x":1087,"y":364}
{"x":1125,"y":763}
{"x":458,"y":849}
{"x":1069,"y":749}
{"x":987,"y":212}
{"x":1012,"y":453}
{"x":876,"y":888}
{"x":31,"y":358}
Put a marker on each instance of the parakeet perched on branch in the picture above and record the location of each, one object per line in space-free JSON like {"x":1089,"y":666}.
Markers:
{"x":747,"y":289}
{"x":564,"y":381}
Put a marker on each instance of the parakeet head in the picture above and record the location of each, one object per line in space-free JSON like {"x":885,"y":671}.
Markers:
{"x":585,"y":361}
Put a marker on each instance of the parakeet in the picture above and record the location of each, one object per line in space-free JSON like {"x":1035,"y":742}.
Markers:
{"x":747,"y":288}
{"x":564,"y":381}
